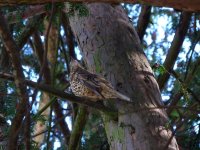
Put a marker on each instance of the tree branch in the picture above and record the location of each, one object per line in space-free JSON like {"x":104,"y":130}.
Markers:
{"x":186,"y":5}
{"x":178,"y":95}
{"x":30,"y":12}
{"x":40,"y":52}
{"x":28,"y":31}
{"x":13,"y":52}
{"x":175,"y":48}
{"x":69,"y":35}
{"x":143,"y":21}
{"x":78,"y":127}
{"x":27,"y":130}
{"x":63,"y":95}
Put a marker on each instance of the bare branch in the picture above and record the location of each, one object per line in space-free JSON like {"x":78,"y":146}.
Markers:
{"x":175,"y":48}
{"x":44,"y":60}
{"x":13,"y":52}
{"x":143,"y":21}
{"x":69,"y":35}
{"x":40,"y":52}
{"x":178,"y":95}
{"x":28,"y":31}
{"x":63,"y":95}
{"x":27,"y":130}
{"x":78,"y":127}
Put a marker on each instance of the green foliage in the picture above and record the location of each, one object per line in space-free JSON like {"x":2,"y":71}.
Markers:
{"x":97,"y":62}
{"x":30,"y":60}
{"x":58,"y":6}
{"x":41,"y":27}
{"x":34,"y":145}
{"x":40,"y":118}
{"x":94,"y":136}
{"x":8,"y":99}
{"x":79,"y":8}
{"x":159,"y":69}
{"x":175,"y":114}
{"x":54,"y":11}
{"x":184,"y":91}
{"x":18,"y":13}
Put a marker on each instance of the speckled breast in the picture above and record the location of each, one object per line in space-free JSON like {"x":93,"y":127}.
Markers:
{"x":80,"y":90}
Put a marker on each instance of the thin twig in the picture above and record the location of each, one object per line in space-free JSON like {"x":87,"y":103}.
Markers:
{"x":44,"y":63}
{"x":27,"y":131}
{"x":192,"y":48}
{"x":56,"y":123}
{"x":49,"y":128}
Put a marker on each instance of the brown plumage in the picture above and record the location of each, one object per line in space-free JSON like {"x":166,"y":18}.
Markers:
{"x":86,"y":84}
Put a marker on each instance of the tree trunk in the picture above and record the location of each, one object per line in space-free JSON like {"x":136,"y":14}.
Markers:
{"x":48,"y":76}
{"x":40,"y":126}
{"x":111,"y":47}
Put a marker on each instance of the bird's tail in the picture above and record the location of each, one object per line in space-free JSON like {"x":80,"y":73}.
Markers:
{"x":123,"y":97}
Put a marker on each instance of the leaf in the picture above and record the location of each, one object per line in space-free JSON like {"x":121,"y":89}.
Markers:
{"x":175,"y":114}
{"x":162,"y":69}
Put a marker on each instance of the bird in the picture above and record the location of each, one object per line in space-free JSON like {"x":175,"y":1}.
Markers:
{"x":89,"y":85}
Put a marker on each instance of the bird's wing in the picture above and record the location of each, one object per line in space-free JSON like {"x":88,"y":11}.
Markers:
{"x":92,"y":81}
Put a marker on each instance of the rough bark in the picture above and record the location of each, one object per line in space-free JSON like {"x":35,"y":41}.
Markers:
{"x":186,"y":5}
{"x":175,"y":48}
{"x":111,"y":47}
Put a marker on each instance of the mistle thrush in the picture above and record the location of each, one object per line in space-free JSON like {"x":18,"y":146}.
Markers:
{"x":86,"y":84}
